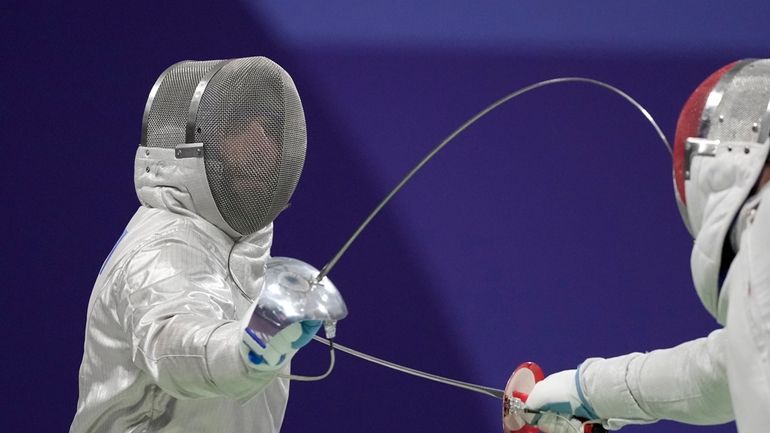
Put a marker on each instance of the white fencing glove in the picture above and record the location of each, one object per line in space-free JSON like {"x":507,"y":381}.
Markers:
{"x":561,"y":397}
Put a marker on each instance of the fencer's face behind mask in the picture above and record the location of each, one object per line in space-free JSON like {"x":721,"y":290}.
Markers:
{"x":248,"y":117}
{"x":249,"y":162}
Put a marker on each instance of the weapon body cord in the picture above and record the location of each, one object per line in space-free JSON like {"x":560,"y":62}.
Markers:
{"x":492,"y":392}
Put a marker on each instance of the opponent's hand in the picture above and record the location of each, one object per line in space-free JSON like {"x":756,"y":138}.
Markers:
{"x":560,"y":396}
{"x":271,"y":353}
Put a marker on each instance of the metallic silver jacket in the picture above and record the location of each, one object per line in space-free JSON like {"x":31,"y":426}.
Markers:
{"x":162,"y":341}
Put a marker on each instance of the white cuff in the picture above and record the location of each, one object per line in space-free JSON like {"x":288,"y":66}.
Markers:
{"x":605,"y":388}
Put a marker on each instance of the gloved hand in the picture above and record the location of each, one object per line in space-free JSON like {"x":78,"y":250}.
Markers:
{"x":561,"y":396}
{"x":268,"y":353}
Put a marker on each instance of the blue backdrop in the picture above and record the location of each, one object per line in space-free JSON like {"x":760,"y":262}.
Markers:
{"x":546,"y":232}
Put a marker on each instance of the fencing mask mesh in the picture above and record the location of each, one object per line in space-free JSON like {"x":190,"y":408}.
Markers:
{"x":248,"y":115}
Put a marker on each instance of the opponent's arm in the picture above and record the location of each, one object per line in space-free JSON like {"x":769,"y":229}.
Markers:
{"x":686,"y":383}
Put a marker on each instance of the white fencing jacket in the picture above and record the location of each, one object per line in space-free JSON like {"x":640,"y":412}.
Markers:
{"x":714,"y":379}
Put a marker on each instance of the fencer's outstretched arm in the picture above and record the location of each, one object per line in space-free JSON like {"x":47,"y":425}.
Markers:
{"x":182,"y":322}
{"x":686,"y":383}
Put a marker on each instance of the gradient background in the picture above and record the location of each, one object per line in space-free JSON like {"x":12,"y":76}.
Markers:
{"x":546,"y":232}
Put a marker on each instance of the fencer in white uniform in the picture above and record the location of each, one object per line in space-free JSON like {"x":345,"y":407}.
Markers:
{"x":721,"y":178}
{"x":222,"y":148}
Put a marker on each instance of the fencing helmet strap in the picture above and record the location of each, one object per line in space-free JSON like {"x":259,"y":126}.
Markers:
{"x":247,"y":116}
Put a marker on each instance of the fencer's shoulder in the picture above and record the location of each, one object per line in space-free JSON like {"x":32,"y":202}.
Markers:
{"x":758,"y":233}
{"x":757,"y":245}
{"x":177,"y":241}
{"x":760,"y":217}
{"x":157,"y":225}
{"x":763,"y":209}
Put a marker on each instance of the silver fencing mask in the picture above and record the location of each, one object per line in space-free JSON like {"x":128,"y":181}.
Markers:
{"x":245,"y":119}
{"x":729,"y":109}
{"x":721,"y":147}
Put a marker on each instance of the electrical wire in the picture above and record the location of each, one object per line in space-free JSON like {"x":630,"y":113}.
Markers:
{"x":488,"y":391}
{"x":323,"y":376}
{"x":492,"y":392}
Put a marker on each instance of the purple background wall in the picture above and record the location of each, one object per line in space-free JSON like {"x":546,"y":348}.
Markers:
{"x":547,"y":232}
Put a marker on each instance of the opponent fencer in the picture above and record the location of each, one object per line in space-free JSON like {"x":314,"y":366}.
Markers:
{"x":721,"y":174}
{"x":170,"y":343}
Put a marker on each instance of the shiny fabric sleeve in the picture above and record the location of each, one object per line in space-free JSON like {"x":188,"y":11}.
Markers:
{"x":178,"y":312}
{"x":686,"y":383}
